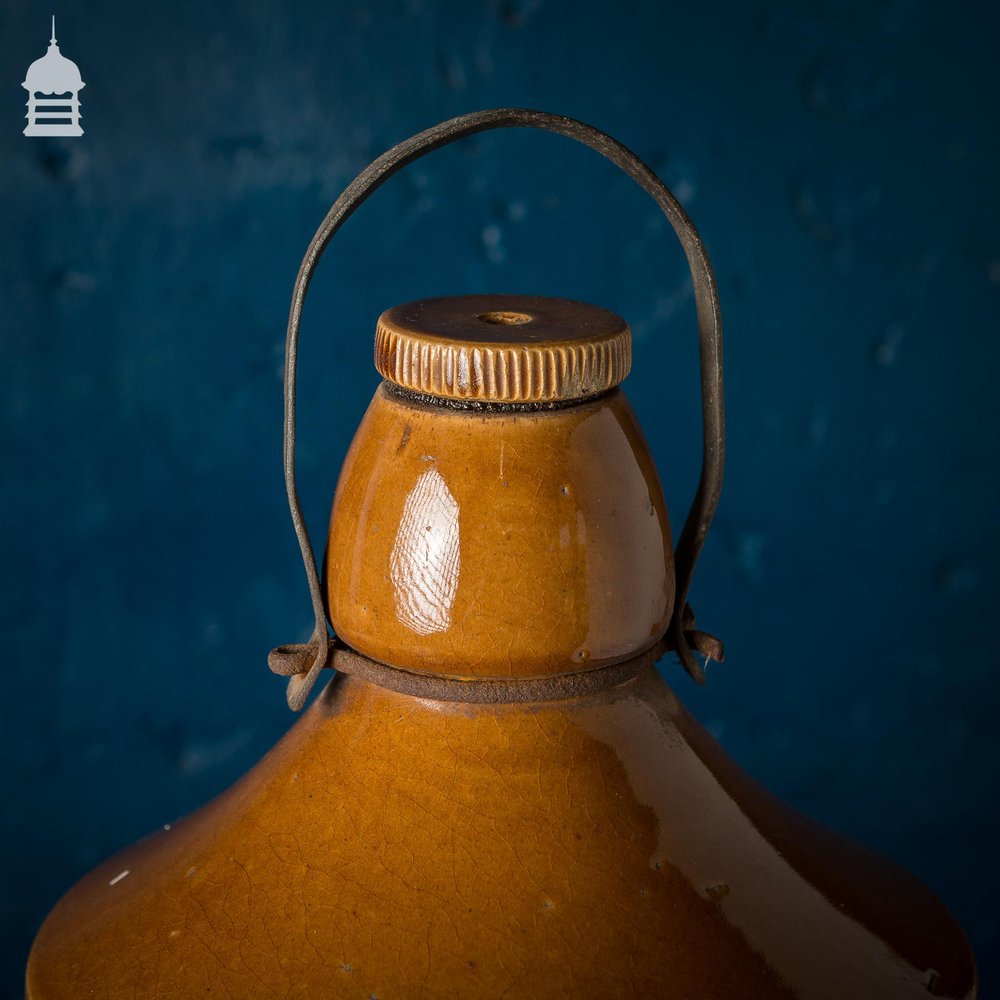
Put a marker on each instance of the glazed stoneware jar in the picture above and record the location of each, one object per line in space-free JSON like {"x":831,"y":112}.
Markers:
{"x":497,"y":795}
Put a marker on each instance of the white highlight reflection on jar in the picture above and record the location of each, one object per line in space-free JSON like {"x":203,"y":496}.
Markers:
{"x":424,"y":564}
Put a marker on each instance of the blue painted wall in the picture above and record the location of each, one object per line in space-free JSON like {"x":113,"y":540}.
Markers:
{"x":841,"y":162}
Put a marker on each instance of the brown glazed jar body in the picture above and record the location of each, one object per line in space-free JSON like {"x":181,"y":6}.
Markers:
{"x":598,"y":846}
{"x":499,"y":542}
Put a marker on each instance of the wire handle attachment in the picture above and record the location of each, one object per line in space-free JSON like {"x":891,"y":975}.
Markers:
{"x":301,"y":663}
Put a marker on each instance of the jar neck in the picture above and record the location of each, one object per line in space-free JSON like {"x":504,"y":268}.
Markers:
{"x":498,"y":540}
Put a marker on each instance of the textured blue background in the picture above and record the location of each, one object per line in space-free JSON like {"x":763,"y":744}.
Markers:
{"x":841,"y":162}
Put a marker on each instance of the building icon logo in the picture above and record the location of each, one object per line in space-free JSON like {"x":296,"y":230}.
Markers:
{"x":53,"y":84}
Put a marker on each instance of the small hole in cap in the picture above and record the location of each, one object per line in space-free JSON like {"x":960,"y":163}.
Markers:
{"x":503,"y":317}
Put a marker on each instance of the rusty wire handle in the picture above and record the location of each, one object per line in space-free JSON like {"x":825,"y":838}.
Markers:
{"x":303,"y":662}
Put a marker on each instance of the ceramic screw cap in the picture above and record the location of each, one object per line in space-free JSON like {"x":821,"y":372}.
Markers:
{"x":503,"y":348}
